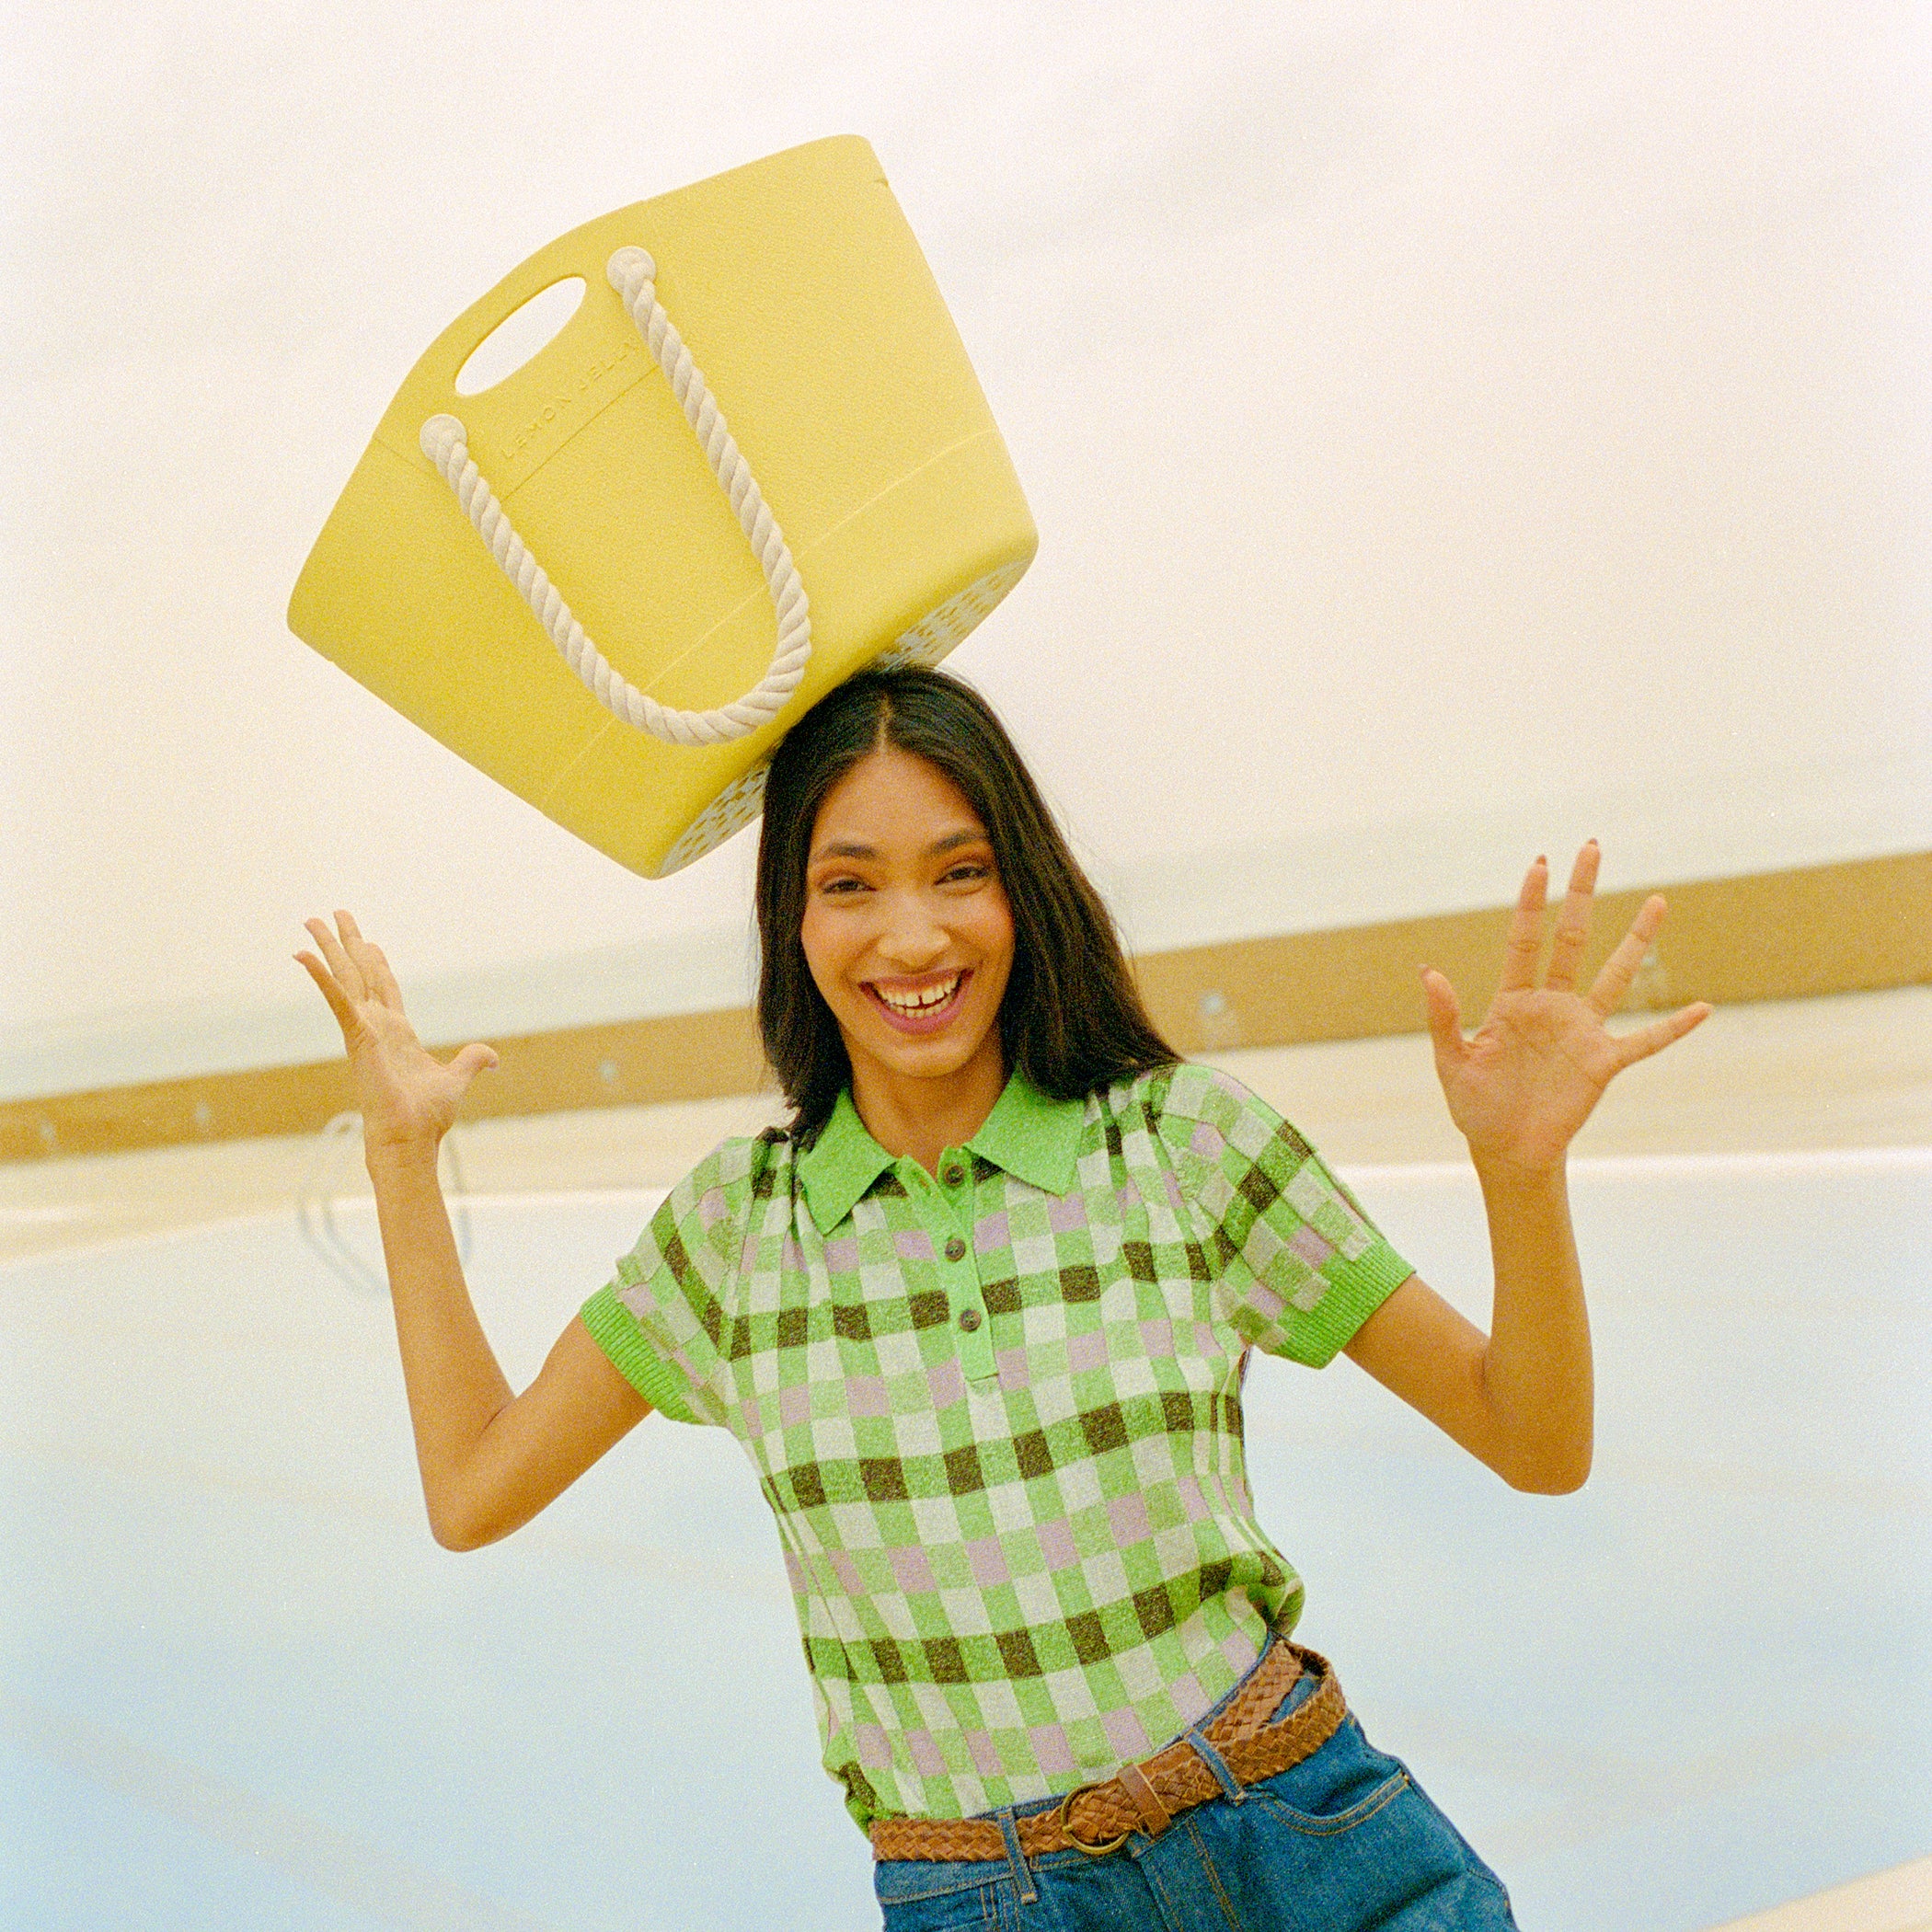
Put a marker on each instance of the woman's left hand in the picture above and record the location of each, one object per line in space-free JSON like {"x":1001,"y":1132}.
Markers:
{"x":1521,"y":1087}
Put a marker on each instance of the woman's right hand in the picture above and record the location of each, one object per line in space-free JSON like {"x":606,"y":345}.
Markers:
{"x":408,"y":1098}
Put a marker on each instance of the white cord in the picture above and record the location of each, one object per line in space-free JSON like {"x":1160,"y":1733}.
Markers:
{"x":446,"y":444}
{"x":317,"y":1195}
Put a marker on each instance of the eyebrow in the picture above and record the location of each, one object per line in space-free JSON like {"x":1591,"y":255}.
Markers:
{"x":847,"y":848}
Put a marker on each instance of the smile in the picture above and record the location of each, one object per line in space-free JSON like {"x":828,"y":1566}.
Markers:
{"x":920,"y":1009}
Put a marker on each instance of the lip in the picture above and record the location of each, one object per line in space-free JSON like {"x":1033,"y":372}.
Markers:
{"x":933,"y":1022}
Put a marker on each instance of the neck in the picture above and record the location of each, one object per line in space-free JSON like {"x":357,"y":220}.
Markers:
{"x":923,"y":1116}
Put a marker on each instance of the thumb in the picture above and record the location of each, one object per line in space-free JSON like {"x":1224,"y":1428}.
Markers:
{"x":473,"y":1060}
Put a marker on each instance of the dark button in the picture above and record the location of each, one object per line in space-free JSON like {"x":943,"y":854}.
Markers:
{"x":956,"y":1249}
{"x":954,"y":1175}
{"x":968,"y":1319}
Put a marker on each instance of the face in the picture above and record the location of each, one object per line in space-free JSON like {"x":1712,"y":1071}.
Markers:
{"x":906,"y":928}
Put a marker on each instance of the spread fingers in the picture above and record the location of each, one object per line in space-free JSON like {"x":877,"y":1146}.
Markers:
{"x":1607,"y":989}
{"x":1573,"y":921}
{"x":332,"y":992}
{"x":1525,"y":940}
{"x":348,"y":975}
{"x":369,"y":959}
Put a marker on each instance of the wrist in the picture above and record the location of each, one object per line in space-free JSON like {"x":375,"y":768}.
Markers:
{"x":401,"y":1156}
{"x":1513,"y":1174}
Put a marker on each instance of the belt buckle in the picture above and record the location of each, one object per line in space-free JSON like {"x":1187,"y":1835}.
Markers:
{"x":1064,"y":1816}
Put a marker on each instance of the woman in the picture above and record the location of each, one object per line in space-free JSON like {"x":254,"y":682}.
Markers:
{"x":980,"y":1317}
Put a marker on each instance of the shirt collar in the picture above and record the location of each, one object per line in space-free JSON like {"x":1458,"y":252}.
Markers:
{"x":1033,"y":1138}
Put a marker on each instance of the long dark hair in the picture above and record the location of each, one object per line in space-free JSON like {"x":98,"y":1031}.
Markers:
{"x":1071,"y":1019}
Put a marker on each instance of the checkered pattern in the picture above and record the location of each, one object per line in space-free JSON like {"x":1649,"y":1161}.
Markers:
{"x":996,"y":1413}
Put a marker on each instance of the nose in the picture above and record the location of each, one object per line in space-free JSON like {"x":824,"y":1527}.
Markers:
{"x":911,"y":937}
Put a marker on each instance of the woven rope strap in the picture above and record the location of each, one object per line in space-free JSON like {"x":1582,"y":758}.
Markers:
{"x":446,"y":444}
{"x":1177,"y":1777}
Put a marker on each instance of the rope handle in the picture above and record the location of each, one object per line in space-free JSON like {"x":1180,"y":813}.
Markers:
{"x":445,"y":442}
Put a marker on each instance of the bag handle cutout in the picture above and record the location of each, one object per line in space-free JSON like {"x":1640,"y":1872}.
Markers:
{"x":521,"y":337}
{"x":445,"y":442}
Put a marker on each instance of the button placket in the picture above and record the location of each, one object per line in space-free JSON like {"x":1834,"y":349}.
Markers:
{"x":973,"y":1333}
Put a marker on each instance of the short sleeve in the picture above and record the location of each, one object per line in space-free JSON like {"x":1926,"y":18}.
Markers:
{"x":663,"y":1319}
{"x":1297,"y":1266}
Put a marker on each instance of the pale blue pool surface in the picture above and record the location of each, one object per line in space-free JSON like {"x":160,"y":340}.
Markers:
{"x":240,"y":1687}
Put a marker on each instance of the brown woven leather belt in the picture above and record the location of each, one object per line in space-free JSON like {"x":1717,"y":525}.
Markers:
{"x":1147,"y":1797}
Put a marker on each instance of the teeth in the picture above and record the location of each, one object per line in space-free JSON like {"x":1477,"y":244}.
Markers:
{"x":912,"y":1004}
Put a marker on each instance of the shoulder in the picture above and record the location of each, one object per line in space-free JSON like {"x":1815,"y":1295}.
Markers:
{"x":731,"y":1180}
{"x":698,"y":1231}
{"x":1201,"y":1111}
{"x":1227,"y":1150}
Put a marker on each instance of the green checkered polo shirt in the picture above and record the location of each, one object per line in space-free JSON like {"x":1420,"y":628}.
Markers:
{"x":997,"y":1412}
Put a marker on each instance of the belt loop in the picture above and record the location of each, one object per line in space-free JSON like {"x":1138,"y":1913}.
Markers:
{"x":1231,"y":1785}
{"x":1015,"y":1858}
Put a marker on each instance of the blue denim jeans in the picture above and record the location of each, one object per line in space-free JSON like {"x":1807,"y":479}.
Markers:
{"x":1341,"y":1842}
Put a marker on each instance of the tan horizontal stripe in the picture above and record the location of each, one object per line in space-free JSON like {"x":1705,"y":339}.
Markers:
{"x":1839,"y":928}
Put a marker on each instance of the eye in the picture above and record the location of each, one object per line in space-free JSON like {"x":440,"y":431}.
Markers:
{"x":968,"y":871}
{"x":843,"y":886}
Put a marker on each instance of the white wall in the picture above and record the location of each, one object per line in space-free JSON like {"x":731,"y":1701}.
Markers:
{"x":1454,"y":429}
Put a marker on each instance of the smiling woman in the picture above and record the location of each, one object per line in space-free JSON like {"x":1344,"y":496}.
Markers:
{"x":980,"y":1318}
{"x":909,"y":943}
{"x":905,"y":843}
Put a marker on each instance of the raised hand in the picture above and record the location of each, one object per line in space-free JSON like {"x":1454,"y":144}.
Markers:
{"x":407,"y":1097}
{"x":1526,"y":1081}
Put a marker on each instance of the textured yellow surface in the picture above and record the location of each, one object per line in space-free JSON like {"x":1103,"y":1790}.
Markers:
{"x":806,"y":303}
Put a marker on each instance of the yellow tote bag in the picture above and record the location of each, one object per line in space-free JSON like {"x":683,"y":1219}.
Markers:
{"x":753,"y":460}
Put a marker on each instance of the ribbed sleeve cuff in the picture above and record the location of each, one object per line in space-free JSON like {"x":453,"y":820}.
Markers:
{"x":614,"y":1330}
{"x":1354,"y":1293}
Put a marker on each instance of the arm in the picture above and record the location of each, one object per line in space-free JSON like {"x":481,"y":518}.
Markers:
{"x":1520,"y":1402}
{"x":1522,"y":1398}
{"x":489,"y":1460}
